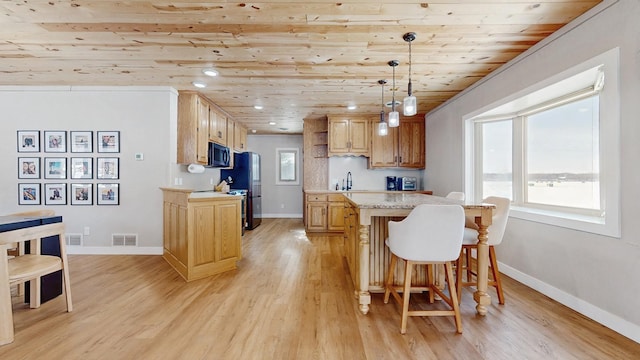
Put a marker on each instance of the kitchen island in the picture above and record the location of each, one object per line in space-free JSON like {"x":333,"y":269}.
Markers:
{"x":366,"y":218}
{"x":202,"y":234}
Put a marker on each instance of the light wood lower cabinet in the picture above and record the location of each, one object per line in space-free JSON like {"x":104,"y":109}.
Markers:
{"x":324,"y":213}
{"x":202,"y":236}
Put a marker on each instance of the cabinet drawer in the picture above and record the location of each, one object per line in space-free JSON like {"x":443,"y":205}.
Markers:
{"x":336,"y":197}
{"x":317,"y":197}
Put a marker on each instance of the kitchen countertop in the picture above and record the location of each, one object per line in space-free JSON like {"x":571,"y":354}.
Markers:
{"x":364,"y":191}
{"x":395,"y":200}
{"x":200,"y":194}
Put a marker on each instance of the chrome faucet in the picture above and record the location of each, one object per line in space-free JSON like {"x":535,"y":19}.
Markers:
{"x":349,"y":181}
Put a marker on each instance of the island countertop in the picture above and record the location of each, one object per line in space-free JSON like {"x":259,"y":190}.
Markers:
{"x":395,"y":200}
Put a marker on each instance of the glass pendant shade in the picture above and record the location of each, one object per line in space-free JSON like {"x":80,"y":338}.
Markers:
{"x":383,"y":130}
{"x":394,"y":119}
{"x":409,"y":104}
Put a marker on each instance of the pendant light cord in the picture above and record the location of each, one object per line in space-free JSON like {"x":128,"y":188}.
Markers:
{"x":409,"y":90}
{"x":393,"y":92}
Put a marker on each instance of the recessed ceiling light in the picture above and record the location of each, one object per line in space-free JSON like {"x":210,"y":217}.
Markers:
{"x":272,"y":122}
{"x":258,"y":107}
{"x":254,"y":131}
{"x":199,"y":84}
{"x":210,"y":72}
{"x":352,"y":107}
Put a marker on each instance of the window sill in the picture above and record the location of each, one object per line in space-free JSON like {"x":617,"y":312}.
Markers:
{"x":591,"y":224}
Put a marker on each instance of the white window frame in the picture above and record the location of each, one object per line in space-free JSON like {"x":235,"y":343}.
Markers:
{"x":609,"y":135}
{"x":280,"y":163}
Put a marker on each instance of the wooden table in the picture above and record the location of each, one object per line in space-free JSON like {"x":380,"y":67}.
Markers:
{"x":362,"y":211}
{"x":39,"y":228}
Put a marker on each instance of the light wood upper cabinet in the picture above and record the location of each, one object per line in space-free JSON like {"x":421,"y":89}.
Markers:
{"x":193,"y":129}
{"x":218,"y":127}
{"x":384,"y":148}
{"x":403,"y":147}
{"x":239,"y":137}
{"x":411,"y":144}
{"x":348,"y":136}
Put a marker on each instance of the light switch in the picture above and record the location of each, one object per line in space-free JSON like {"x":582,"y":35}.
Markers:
{"x":139,"y":156}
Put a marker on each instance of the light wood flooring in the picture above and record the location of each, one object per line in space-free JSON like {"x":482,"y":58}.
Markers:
{"x":291,"y":298}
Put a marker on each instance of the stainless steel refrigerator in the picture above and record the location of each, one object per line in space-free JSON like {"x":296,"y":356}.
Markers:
{"x":245,"y":175}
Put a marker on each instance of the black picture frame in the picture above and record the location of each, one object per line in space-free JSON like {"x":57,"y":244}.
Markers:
{"x":108,"y":168}
{"x":81,"y":141}
{"x":81,"y":168}
{"x":55,"y":194}
{"x":108,"y":141}
{"x":108,"y":194}
{"x":55,"y":141}
{"x":81,"y":194}
{"x":28,"y":194}
{"x":28,"y":168}
{"x":55,"y":168}
{"x":28,"y":141}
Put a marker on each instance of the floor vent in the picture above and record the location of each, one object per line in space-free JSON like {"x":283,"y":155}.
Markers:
{"x":124,"y":239}
{"x":73,"y":239}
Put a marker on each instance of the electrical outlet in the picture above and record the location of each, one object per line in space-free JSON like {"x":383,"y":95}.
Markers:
{"x":87,"y":231}
{"x":281,"y":206}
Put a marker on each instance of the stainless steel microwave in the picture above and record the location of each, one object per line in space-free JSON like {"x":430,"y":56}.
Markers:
{"x":407,"y":183}
{"x":219,"y":156}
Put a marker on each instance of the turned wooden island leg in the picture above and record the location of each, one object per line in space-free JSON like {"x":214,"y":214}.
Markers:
{"x":481,"y":296}
{"x":364,"y":297}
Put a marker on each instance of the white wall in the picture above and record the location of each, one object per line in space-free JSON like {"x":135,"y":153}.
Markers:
{"x":590,"y":273}
{"x":363,"y":178}
{"x":142,"y":115}
{"x":282,"y":201}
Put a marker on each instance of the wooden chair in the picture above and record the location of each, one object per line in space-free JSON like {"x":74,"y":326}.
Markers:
{"x":17,"y":248}
{"x":466,"y":262}
{"x":430,"y":234}
{"x":31,"y":267}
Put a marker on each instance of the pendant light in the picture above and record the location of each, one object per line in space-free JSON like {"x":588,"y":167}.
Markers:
{"x":394,"y":116}
{"x":382,"y":125}
{"x":409,"y":103}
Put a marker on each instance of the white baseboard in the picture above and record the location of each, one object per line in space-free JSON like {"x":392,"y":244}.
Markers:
{"x":282,"y":216}
{"x":613,"y":322}
{"x":114,"y":250}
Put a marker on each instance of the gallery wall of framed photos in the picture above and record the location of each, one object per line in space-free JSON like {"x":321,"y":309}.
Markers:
{"x":68,"y":167}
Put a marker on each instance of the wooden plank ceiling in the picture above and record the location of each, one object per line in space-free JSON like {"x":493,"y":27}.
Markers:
{"x":298,"y":59}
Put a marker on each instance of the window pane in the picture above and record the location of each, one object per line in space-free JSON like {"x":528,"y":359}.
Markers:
{"x":496,"y":159}
{"x":287,"y":166}
{"x":563,"y":156}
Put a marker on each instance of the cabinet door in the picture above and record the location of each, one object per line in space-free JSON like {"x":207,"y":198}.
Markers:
{"x":384,"y":149}
{"x":359,"y":137}
{"x":317,"y":216}
{"x":231,"y":128}
{"x":228,"y":231}
{"x":411,"y":144}
{"x":213,"y":125}
{"x":339,"y":136}
{"x":203,"y":250}
{"x":240,"y":137}
{"x":243,"y":138}
{"x":222,"y":129}
{"x":336,"y":216}
{"x":202,"y":137}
